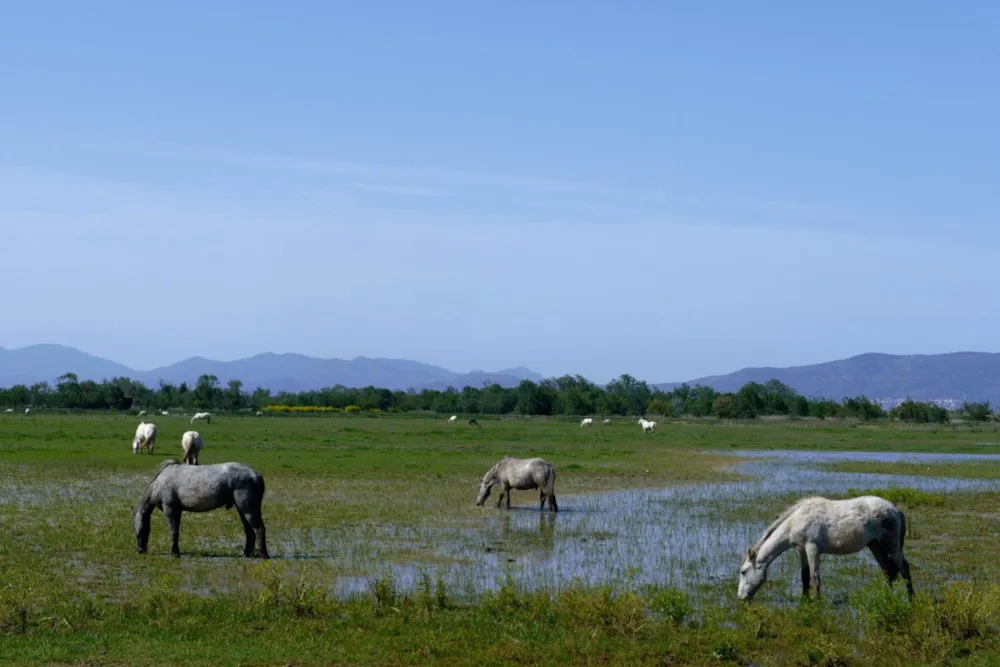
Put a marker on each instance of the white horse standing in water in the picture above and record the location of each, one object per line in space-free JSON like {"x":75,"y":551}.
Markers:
{"x":522,"y":474}
{"x":818,"y":525}
{"x":647,"y":426}
{"x":587,"y":422}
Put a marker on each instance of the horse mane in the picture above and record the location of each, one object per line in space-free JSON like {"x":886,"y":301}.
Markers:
{"x":496,"y":466}
{"x":752,"y":551}
{"x":159,"y":469}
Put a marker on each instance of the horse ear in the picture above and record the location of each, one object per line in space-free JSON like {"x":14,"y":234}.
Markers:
{"x":752,"y":554}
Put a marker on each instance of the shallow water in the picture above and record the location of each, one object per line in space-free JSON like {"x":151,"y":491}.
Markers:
{"x":672,"y":537}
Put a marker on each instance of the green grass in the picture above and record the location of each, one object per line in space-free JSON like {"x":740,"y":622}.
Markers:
{"x":354,"y":493}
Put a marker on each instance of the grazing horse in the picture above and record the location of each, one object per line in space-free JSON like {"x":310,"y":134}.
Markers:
{"x":818,"y":525}
{"x":177,"y":488}
{"x":198,"y":416}
{"x":606,"y":422}
{"x":145,"y":436}
{"x":260,"y":415}
{"x":512,"y":473}
{"x":647,"y":426}
{"x":27,"y":411}
{"x":165,"y":413}
{"x":587,"y":422}
{"x":9,"y":411}
{"x":452,"y":419}
{"x":473,"y":421}
{"x":142,"y":413}
{"x":191,"y":444}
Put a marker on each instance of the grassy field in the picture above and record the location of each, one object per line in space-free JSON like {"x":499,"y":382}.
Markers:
{"x":349,"y":496}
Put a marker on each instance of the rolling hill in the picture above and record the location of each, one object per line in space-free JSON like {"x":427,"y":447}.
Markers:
{"x":944,"y":378}
{"x":277,"y":372}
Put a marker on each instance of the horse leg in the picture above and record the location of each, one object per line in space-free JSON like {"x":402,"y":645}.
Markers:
{"x":899,"y":562}
{"x":882,"y":558}
{"x":541,"y":500}
{"x":249,"y":532}
{"x":553,"y":506}
{"x":174,"y":519}
{"x":805,"y":571}
{"x":500,"y":499}
{"x":508,"y":496}
{"x":812,"y":556}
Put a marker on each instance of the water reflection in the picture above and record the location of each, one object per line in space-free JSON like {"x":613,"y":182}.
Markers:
{"x":683,"y":536}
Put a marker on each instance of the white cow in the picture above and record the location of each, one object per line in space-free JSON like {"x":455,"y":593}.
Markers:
{"x":145,"y":436}
{"x":587,"y":422}
{"x":606,"y":422}
{"x":647,"y":426}
{"x":192,"y":444}
{"x":198,"y":416}
{"x":452,"y":419}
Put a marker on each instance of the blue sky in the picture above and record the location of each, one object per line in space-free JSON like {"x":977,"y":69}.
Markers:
{"x":665,"y":189}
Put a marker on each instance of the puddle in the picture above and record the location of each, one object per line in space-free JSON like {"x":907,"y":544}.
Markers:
{"x":672,"y":536}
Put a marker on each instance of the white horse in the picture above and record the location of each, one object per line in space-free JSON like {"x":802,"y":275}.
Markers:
{"x":513,"y":473}
{"x":452,"y":419}
{"x":9,"y":411}
{"x":165,"y":413}
{"x":587,"y":422}
{"x":647,"y":426}
{"x":260,"y":414}
{"x":142,"y":413}
{"x":198,"y":416}
{"x":606,"y":422}
{"x":145,"y":436}
{"x":27,"y":411}
{"x":818,"y":525}
{"x":191,"y":444}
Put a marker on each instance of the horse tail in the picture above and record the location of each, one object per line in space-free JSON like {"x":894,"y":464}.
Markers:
{"x":902,"y":529}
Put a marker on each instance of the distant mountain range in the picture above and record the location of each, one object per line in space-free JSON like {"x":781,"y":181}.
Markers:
{"x":277,"y":372}
{"x":947,"y":379}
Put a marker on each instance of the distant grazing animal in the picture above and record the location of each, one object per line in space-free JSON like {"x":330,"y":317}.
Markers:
{"x":473,"y":421}
{"x":606,"y":422}
{"x":198,"y":416}
{"x":165,"y":413}
{"x":587,"y":422}
{"x":452,"y":419}
{"x":142,"y":413}
{"x":260,"y":414}
{"x":9,"y":411}
{"x":818,"y":525}
{"x":512,"y":473}
{"x":647,"y":426}
{"x":177,"y":488}
{"x":191,"y":444}
{"x":27,"y":411}
{"x":145,"y":436}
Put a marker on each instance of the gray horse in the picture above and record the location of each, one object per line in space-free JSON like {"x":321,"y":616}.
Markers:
{"x":177,"y":488}
{"x":512,"y":473}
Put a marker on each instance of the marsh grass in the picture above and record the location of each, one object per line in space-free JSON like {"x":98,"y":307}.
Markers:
{"x":352,"y":500}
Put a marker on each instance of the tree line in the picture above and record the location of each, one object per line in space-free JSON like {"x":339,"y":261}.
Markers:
{"x":566,"y":395}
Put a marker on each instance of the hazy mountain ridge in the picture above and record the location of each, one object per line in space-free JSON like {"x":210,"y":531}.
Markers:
{"x":277,"y":372}
{"x":948,"y":378}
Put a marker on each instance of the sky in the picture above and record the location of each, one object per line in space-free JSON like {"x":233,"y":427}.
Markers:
{"x":670,"y":190}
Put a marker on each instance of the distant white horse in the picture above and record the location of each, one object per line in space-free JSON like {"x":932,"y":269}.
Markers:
{"x":165,"y":413}
{"x":818,"y":525}
{"x":587,"y":422}
{"x":142,"y":413}
{"x":9,"y":411}
{"x":647,"y":426}
{"x":198,"y":416}
{"x":606,"y":422}
{"x":452,"y":419}
{"x":191,"y":444}
{"x":27,"y":411}
{"x":260,"y":414}
{"x":145,"y":436}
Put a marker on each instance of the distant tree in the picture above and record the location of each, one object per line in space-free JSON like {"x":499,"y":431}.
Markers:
{"x":977,"y":412}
